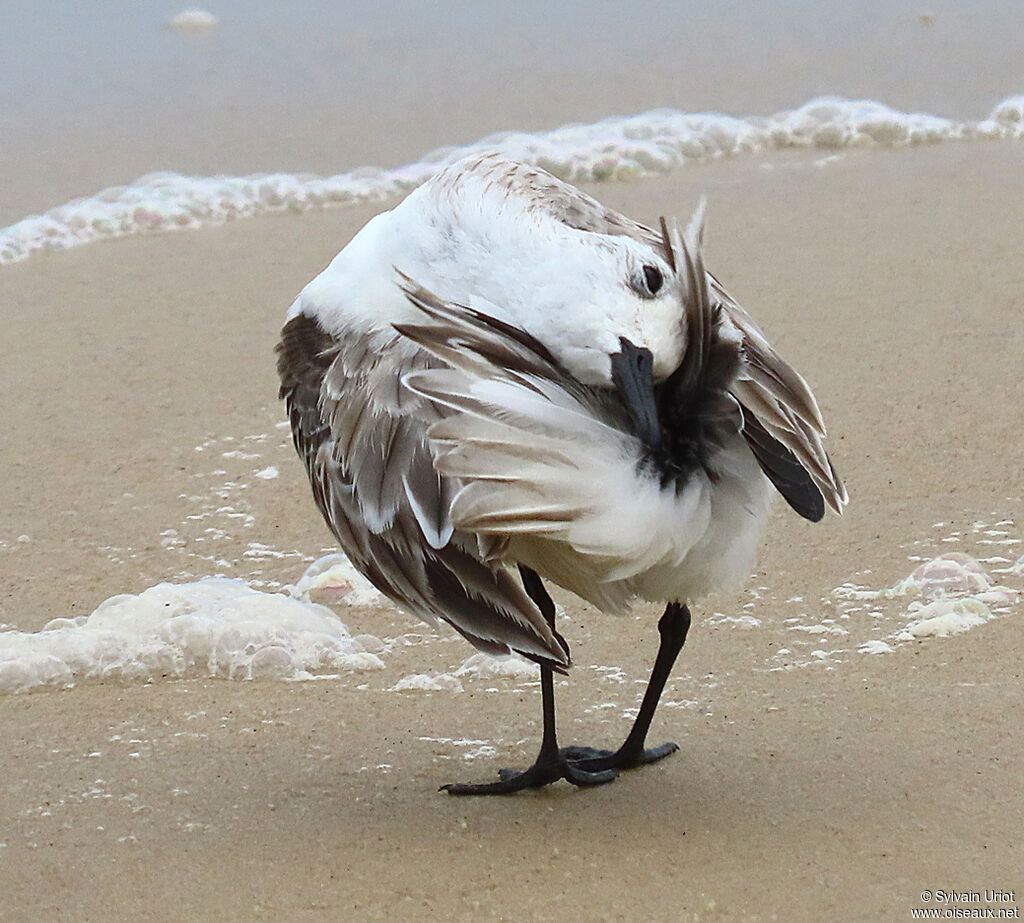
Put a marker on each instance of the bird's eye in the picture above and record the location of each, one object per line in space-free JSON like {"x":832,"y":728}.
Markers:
{"x":652,"y":276}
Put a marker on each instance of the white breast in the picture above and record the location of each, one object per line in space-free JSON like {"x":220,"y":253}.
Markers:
{"x":640,"y":539}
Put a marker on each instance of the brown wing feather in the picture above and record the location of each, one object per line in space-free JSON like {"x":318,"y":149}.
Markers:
{"x":774,"y":392}
{"x":362,"y":438}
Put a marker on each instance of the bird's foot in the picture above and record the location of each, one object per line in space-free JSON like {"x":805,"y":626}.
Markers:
{"x":591,"y":759}
{"x":579,"y":765}
{"x":543,"y":772}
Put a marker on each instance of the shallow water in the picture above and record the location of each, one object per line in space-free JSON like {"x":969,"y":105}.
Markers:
{"x":98,"y":95}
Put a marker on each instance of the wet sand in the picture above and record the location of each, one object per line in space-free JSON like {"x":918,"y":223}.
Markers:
{"x":840,"y":789}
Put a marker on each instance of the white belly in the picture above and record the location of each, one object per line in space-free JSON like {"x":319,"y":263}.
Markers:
{"x":694,"y":542}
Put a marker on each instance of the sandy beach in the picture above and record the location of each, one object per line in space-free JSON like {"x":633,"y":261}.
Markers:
{"x":841,"y":788}
{"x":830,"y":766}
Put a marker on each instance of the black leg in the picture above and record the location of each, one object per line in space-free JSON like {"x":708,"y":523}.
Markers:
{"x":551,"y":764}
{"x":672,"y":627}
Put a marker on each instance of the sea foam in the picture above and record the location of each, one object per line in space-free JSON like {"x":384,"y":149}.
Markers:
{"x":210,"y":627}
{"x":614,"y":148}
{"x":948,"y":594}
{"x":194,"y":22}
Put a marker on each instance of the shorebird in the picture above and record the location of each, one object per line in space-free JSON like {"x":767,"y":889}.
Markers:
{"x":500,"y":375}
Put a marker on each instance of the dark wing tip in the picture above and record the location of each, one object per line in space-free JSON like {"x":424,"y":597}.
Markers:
{"x":810,"y":504}
{"x":784,"y":471}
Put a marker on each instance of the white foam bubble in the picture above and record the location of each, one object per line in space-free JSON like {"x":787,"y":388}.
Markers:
{"x":428,"y":682}
{"x":194,"y":22}
{"x":948,"y":574}
{"x":945,"y":617}
{"x":876,"y":647}
{"x":735,"y":621}
{"x":613,"y":148}
{"x":333,"y":581}
{"x":949,"y":594}
{"x":486,"y":666}
{"x":479,"y":666}
{"x":211,"y":627}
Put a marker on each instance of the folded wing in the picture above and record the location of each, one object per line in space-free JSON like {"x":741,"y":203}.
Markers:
{"x":362,"y":436}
